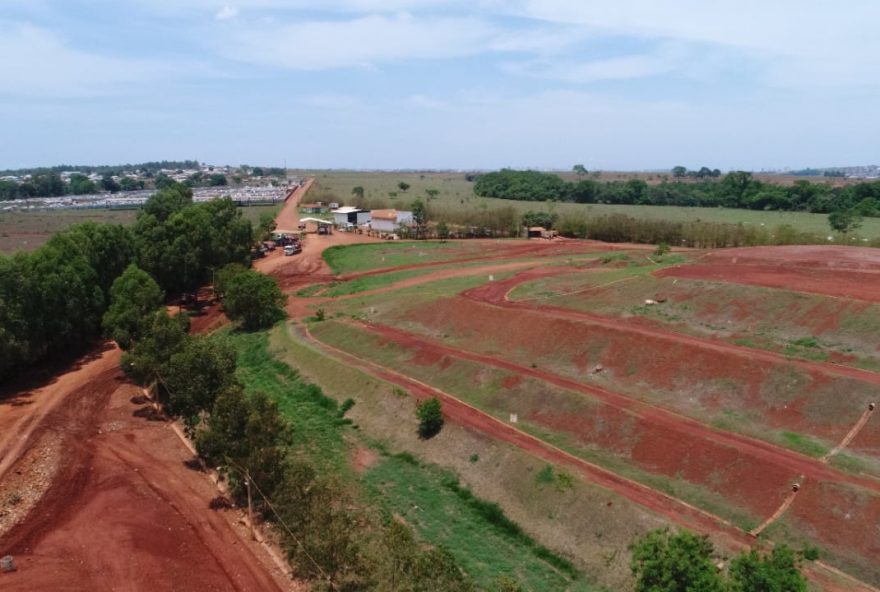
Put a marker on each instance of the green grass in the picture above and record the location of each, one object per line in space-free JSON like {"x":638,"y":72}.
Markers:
{"x":314,"y":417}
{"x":483,"y":540}
{"x":344,"y":259}
{"x":803,"y":444}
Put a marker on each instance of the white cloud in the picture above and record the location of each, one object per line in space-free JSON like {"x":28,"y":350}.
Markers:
{"x":361,"y":42}
{"x":37,"y":62}
{"x":226,"y":13}
{"x":811,"y":40}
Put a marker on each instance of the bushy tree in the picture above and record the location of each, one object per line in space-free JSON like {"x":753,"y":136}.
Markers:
{"x":430,"y":415}
{"x":196,"y":374}
{"x":844,"y":221}
{"x":543,"y":219}
{"x":163,"y":337}
{"x":254,"y":299}
{"x":665,"y":561}
{"x":134,"y":297}
{"x":777,"y":572}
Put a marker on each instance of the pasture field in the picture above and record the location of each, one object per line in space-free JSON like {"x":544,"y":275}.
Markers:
{"x":456,"y":194}
{"x":26,"y":231}
{"x":718,"y":395}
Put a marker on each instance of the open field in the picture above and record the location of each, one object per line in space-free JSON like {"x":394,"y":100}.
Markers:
{"x":682,"y":403}
{"x":456,"y":193}
{"x":26,"y":231}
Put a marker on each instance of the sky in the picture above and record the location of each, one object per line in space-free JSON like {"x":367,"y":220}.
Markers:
{"x":441,"y":84}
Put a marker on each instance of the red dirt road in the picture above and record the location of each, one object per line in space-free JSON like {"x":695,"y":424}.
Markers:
{"x":124,"y":512}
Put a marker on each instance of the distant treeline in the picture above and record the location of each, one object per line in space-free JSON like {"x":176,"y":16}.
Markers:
{"x":49,"y":184}
{"x":52,"y":300}
{"x":737,"y":189}
{"x":112,"y":169}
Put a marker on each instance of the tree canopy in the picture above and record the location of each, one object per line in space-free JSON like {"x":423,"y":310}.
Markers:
{"x":707,"y":188}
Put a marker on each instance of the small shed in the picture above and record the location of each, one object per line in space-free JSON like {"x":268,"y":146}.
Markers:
{"x":536,"y":231}
{"x":313,"y":208}
{"x":322,"y":226}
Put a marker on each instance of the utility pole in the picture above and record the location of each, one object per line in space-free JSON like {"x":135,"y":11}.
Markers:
{"x":247,"y":482}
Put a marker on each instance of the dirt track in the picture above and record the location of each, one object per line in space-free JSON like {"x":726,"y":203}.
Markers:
{"x":471,"y":417}
{"x":680,"y":427}
{"x":124,"y":510}
{"x":786,"y":462}
{"x":842,"y":272}
{"x":496,"y":294}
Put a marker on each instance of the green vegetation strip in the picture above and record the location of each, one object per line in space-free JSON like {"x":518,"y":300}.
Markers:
{"x":313,"y":416}
{"x":482,"y":539}
{"x":351,"y":258}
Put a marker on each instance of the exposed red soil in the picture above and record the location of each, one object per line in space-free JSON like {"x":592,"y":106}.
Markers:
{"x":473,"y":418}
{"x":655,"y":430}
{"x":664,"y":359}
{"x":749,"y":473}
{"x":125,"y":511}
{"x":844,"y":272}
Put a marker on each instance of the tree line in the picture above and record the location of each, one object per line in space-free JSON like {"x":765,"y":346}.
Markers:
{"x":738,"y":189}
{"x":52,"y":300}
{"x":152,"y":166}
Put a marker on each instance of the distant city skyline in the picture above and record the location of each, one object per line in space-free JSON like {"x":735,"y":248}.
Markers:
{"x":431,"y":84}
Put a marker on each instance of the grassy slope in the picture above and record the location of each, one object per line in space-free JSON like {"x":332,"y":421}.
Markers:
{"x":393,"y":485}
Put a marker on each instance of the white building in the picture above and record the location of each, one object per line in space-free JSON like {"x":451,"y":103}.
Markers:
{"x":389,"y":220}
{"x":349,"y":215}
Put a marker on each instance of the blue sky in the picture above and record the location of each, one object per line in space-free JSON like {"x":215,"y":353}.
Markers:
{"x":615,"y":85}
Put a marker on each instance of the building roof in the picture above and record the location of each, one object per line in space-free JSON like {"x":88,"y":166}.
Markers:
{"x":537,"y":229}
{"x":347,"y":210}
{"x":315,"y":220}
{"x":384,"y":214}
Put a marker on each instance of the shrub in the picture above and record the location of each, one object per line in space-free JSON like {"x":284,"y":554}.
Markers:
{"x":430,"y":416}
